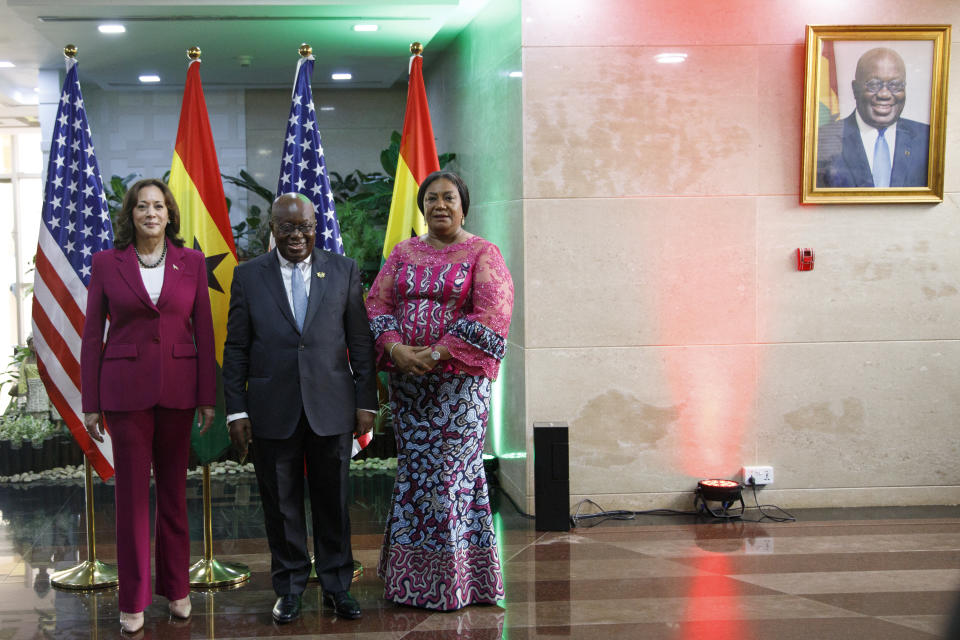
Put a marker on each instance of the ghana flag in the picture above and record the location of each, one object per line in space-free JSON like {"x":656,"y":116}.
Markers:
{"x":205,"y":226}
{"x":418,"y":159}
{"x":829,"y":108}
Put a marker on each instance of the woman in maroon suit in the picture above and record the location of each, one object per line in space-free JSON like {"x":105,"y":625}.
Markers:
{"x":146,"y":378}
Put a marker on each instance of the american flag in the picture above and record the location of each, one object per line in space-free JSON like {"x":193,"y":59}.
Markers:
{"x":75,"y":225}
{"x":303,"y":169}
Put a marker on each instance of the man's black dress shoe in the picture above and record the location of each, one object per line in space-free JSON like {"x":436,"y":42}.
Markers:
{"x":343,"y":604}
{"x":287,"y":608}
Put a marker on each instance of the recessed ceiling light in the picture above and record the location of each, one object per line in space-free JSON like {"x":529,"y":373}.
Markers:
{"x":112,"y":28}
{"x":670,"y":58}
{"x":6,"y":64}
{"x":515,"y":74}
{"x":326,"y":108}
{"x":149,"y":77}
{"x":365,"y":27}
{"x":341,"y":76}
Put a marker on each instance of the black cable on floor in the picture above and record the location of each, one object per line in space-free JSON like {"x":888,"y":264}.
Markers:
{"x":602,"y":516}
{"x":787,"y":517}
{"x":576,"y":518}
{"x":494,"y":486}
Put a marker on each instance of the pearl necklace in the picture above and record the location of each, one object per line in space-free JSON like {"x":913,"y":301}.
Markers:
{"x":159,"y":261}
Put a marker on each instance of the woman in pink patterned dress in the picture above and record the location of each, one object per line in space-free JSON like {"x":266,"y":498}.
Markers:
{"x":440,"y":310}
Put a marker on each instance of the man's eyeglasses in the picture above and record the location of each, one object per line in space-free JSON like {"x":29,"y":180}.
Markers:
{"x":286,"y":228}
{"x":876,"y":86}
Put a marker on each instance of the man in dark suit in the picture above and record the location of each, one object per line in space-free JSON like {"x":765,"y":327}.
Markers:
{"x":856,"y":151}
{"x":299,"y":380}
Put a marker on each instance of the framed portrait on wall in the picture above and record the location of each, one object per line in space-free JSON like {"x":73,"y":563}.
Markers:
{"x":874,"y":115}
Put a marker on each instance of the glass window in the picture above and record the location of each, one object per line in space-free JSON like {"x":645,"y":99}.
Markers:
{"x":31,"y":209}
{"x":29,"y":153}
{"x":8,"y":284}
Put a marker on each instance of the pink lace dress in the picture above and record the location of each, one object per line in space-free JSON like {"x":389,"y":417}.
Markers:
{"x":439,"y":549}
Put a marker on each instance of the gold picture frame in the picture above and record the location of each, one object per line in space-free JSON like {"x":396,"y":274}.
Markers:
{"x":865,"y":85}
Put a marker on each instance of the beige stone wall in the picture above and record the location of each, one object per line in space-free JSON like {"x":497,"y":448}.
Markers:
{"x":664,"y":318}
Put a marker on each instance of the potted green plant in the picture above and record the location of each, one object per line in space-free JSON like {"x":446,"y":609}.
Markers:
{"x":252,"y":234}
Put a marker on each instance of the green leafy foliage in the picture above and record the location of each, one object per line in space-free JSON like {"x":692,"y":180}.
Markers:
{"x":391,"y":155}
{"x":115,"y":189}
{"x":19,"y":427}
{"x":362,"y":240}
{"x":252,"y":234}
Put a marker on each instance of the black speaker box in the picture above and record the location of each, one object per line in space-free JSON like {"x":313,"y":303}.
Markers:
{"x":551,"y":475}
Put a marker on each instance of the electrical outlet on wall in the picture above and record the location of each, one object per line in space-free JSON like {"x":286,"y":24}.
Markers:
{"x":756,"y":476}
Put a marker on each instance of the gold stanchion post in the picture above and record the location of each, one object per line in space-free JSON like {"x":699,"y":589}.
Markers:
{"x":208,"y":573}
{"x":91,"y":574}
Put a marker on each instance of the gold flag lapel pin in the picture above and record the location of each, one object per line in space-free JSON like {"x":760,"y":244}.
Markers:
{"x":321,"y":274}
{"x":176,"y":267}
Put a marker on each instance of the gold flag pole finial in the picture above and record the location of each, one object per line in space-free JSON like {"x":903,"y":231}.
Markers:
{"x":416,"y":48}
{"x":70,"y":51}
{"x":193,"y":53}
{"x":305,"y":50}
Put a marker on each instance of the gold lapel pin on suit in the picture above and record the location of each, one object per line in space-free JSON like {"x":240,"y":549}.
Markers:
{"x":176,"y":267}
{"x":321,"y":274}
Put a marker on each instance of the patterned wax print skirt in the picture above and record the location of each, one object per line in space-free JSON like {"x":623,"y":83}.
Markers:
{"x":439,"y":549}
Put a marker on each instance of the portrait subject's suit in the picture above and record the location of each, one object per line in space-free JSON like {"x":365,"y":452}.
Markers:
{"x":156,"y":367}
{"x":301,"y":391}
{"x":842,"y":160}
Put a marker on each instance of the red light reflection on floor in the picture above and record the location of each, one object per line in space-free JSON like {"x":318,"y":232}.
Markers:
{"x":713,"y":607}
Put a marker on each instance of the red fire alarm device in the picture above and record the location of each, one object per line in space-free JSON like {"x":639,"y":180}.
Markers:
{"x":804,"y":259}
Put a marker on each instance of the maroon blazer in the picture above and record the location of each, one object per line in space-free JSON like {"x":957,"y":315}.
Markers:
{"x":155,"y":354}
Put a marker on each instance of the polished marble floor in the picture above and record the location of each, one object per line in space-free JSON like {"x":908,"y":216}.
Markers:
{"x":875,"y":574}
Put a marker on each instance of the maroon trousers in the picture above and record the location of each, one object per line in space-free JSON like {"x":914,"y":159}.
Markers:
{"x":160,"y":438}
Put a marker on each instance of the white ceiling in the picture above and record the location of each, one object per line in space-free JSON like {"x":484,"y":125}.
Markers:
{"x":245,"y":43}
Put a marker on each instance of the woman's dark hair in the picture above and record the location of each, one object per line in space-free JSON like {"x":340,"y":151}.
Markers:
{"x":452,"y":177}
{"x":124,"y":225}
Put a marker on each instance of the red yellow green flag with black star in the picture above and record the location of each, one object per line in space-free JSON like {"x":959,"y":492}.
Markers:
{"x":205,"y":226}
{"x":418,"y":159}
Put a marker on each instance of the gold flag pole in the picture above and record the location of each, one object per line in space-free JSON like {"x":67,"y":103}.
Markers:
{"x":306,"y":51}
{"x":211,"y":629}
{"x":90,"y":574}
{"x":208,"y":573}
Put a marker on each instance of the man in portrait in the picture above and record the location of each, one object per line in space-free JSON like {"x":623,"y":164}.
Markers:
{"x":874,"y":146}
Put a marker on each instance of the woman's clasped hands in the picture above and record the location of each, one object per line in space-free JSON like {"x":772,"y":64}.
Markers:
{"x":412,"y":360}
